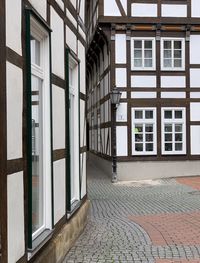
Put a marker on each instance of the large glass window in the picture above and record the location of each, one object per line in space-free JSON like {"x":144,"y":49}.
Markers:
{"x":173,"y":131}
{"x":144,"y":131}
{"x":41,"y":146}
{"x":143,"y":54}
{"x":172,"y":54}
{"x":74,"y":130}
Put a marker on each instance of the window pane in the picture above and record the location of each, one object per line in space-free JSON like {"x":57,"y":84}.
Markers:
{"x":178,"y":54}
{"x":167,"y":53}
{"x":137,"y":44}
{"x":167,"y":63}
{"x":148,"y":53}
{"x":138,"y":53}
{"x":149,"y":138}
{"x":149,"y":147}
{"x":168,"y":127}
{"x":138,"y":63}
{"x":168,"y":137}
{"x":178,"y":114}
{"x":148,"y":114}
{"x":138,"y":114}
{"x":178,"y":137}
{"x":168,"y":147}
{"x":149,"y":128}
{"x":148,"y":63}
{"x":35,"y":51}
{"x":178,"y":127}
{"x":138,"y":128}
{"x":178,"y":146}
{"x":148,"y":44}
{"x":177,"y":63}
{"x":168,"y":114}
{"x":177,"y":45}
{"x":37,"y":142}
{"x":167,"y":44}
{"x":139,"y":137}
{"x":139,"y":147}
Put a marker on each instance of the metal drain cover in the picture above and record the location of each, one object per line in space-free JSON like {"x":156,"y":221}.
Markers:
{"x":194,"y":193}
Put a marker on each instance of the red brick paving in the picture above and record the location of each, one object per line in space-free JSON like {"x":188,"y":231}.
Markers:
{"x":194,"y":182}
{"x":171,"y":229}
{"x":177,"y":261}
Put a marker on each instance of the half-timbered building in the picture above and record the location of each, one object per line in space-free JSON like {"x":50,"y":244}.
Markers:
{"x":149,"y":50}
{"x":43,"y":201}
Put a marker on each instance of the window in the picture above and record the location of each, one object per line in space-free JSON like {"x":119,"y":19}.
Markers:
{"x":172,"y":54}
{"x":144,"y":131}
{"x":173,"y":131}
{"x":41,"y":130}
{"x":74,"y":130}
{"x":143,"y":53}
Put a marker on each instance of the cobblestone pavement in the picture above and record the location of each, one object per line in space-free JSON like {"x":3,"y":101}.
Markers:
{"x":144,"y":222}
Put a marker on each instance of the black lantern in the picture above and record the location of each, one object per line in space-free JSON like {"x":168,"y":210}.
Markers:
{"x":115,"y":96}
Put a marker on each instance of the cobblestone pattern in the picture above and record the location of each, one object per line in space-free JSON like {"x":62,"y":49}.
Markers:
{"x":112,"y":234}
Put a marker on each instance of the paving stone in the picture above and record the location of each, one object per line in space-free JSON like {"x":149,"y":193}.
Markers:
{"x":118,"y":228}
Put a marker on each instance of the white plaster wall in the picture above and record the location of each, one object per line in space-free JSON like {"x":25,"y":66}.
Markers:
{"x":60,"y":3}
{"x":14,"y":111}
{"x":194,"y":95}
{"x":143,"y":95}
{"x":124,"y":4}
{"x":173,"y":82}
{"x":121,"y":112}
{"x":106,"y":140}
{"x":174,"y":10}
{"x":15,"y":218}
{"x":120,"y":48}
{"x":143,"y":81}
{"x":194,"y":49}
{"x":71,"y":18}
{"x":144,"y":10}
{"x":121,"y":134}
{"x":124,"y":95}
{"x":111,"y":8}
{"x":57,"y":35}
{"x":59,"y":190}
{"x":195,"y":8}
{"x":40,"y":6}
{"x":82,"y":10}
{"x":73,"y":3}
{"x":13,"y":25}
{"x":106,"y":84}
{"x":195,"y":140}
{"x":58,"y":103}
{"x":121,"y":77}
{"x":81,"y":56}
{"x":171,"y":95}
{"x":71,"y":39}
{"x":194,"y":111}
{"x":194,"y":78}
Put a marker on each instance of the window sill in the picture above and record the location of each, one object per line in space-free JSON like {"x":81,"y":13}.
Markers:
{"x":39,"y":242}
{"x":74,"y":207}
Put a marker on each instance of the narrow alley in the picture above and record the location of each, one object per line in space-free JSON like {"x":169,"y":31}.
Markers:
{"x":154,"y":221}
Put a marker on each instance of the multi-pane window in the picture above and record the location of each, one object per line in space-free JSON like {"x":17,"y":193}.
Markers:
{"x":144,"y":131}
{"x":173,"y":131}
{"x":172,"y":54}
{"x":143,"y":54}
{"x":41,"y":138}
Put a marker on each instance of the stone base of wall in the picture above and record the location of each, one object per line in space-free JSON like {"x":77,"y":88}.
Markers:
{"x":59,"y":246}
{"x":130,"y":171}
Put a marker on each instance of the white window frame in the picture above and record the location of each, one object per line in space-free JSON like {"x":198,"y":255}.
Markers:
{"x":162,"y":54}
{"x":43,"y":72}
{"x":173,"y":121}
{"x":144,"y":121}
{"x":74,"y":131}
{"x":153,"y":53}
